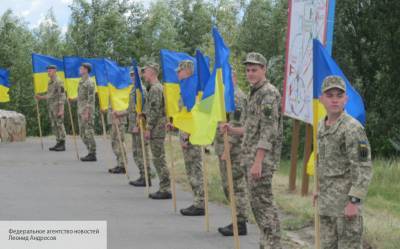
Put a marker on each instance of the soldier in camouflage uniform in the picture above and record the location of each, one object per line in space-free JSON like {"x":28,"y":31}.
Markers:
{"x":86,"y":101}
{"x":55,"y":104}
{"x":238,"y":171}
{"x":344,"y":170}
{"x":191,"y":155}
{"x":136,"y":139}
{"x":154,"y":114}
{"x":117,"y":120}
{"x":261,"y":148}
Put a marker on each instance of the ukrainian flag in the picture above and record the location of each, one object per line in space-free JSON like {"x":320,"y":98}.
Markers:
{"x":172,"y":92}
{"x":72,"y":77}
{"x":4,"y":85}
{"x":139,"y":98}
{"x":39,"y":68}
{"x":203,"y":71}
{"x":325,"y":65}
{"x":218,"y":97}
{"x":120,"y":85}
{"x":100,"y":75}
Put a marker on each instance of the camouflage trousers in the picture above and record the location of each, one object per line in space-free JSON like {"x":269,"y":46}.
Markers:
{"x":239,"y":182}
{"x":117,"y":148}
{"x":192,"y":158}
{"x":86,"y":130}
{"x":57,"y":126}
{"x":159,"y":162}
{"x":138,"y":153}
{"x":341,"y":233}
{"x":262,"y":204}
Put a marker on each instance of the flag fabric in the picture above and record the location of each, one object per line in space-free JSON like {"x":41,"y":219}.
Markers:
{"x":100,"y":74}
{"x":203,"y":71}
{"x":172,"y":92}
{"x":71,"y":71}
{"x":120,"y":85}
{"x":325,"y":65}
{"x":39,"y":69}
{"x":218,"y":96}
{"x":4,"y":85}
{"x":139,"y":100}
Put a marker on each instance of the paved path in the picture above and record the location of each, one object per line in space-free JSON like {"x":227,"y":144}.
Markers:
{"x":43,"y":185}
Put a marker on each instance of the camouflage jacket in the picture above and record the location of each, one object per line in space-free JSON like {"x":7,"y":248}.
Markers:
{"x":155,"y":111}
{"x":263,"y":125}
{"x":132,"y":115}
{"x":344,"y":165}
{"x":86,"y":95}
{"x":236,"y":119}
{"x":55,"y":95}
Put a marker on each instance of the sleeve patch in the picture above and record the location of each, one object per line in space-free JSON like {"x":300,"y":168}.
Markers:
{"x":363,"y":150}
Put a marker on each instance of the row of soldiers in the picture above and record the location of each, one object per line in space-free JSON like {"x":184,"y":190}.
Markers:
{"x":255,"y":140}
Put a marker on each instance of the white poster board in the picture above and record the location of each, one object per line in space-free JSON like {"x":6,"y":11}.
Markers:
{"x":307,"y":20}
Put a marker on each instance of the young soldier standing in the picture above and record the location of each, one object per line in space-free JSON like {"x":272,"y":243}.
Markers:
{"x":261,"y":148}
{"x":238,"y":171}
{"x":344,"y":170}
{"x":154,"y":114}
{"x":55,"y":104}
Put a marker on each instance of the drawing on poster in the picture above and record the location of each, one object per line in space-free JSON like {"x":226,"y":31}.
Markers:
{"x":307,"y":20}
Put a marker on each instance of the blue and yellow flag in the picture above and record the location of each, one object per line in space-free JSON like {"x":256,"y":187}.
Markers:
{"x":39,"y":69}
{"x":203,"y":71}
{"x":139,"y":96}
{"x":172,"y":92}
{"x":218,"y":97}
{"x":4,"y":85}
{"x":325,"y":65}
{"x":100,"y":74}
{"x":120,"y":85}
{"x":71,"y":71}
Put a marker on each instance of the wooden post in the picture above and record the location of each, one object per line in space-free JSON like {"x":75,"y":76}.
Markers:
{"x":73,"y":129}
{"x":103,"y":123}
{"x":205,"y":183}
{"x":294,"y":154}
{"x":230,"y":186}
{"x":39,"y":124}
{"x":173,"y":179}
{"x":122,"y":147}
{"x":307,"y":153}
{"x":146,"y":173}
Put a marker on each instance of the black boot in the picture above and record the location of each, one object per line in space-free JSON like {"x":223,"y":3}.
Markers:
{"x":60,"y":146}
{"x":228,"y":230}
{"x":54,"y":147}
{"x":91,"y":157}
{"x":117,"y":170}
{"x":140,"y":182}
{"x":160,"y":195}
{"x":192,"y":211}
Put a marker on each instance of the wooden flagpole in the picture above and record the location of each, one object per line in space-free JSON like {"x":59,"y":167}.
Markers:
{"x":122,"y":146}
{"x":39,"y":123}
{"x":173,"y":180}
{"x":73,"y":129}
{"x":205,"y":183}
{"x":230,"y":186}
{"x":146,"y":173}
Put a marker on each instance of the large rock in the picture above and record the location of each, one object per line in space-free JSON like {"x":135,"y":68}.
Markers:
{"x":12,"y":126}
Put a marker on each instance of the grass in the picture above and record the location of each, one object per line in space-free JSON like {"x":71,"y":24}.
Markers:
{"x":381,"y":209}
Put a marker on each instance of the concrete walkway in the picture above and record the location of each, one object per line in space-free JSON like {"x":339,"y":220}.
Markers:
{"x":43,"y":185}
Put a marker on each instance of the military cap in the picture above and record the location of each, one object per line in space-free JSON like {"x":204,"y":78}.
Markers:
{"x":185,"y":64}
{"x":154,"y":66}
{"x":88,"y":66}
{"x":131,"y":71}
{"x":255,"y":58}
{"x":333,"y":81}
{"x":51,"y":67}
